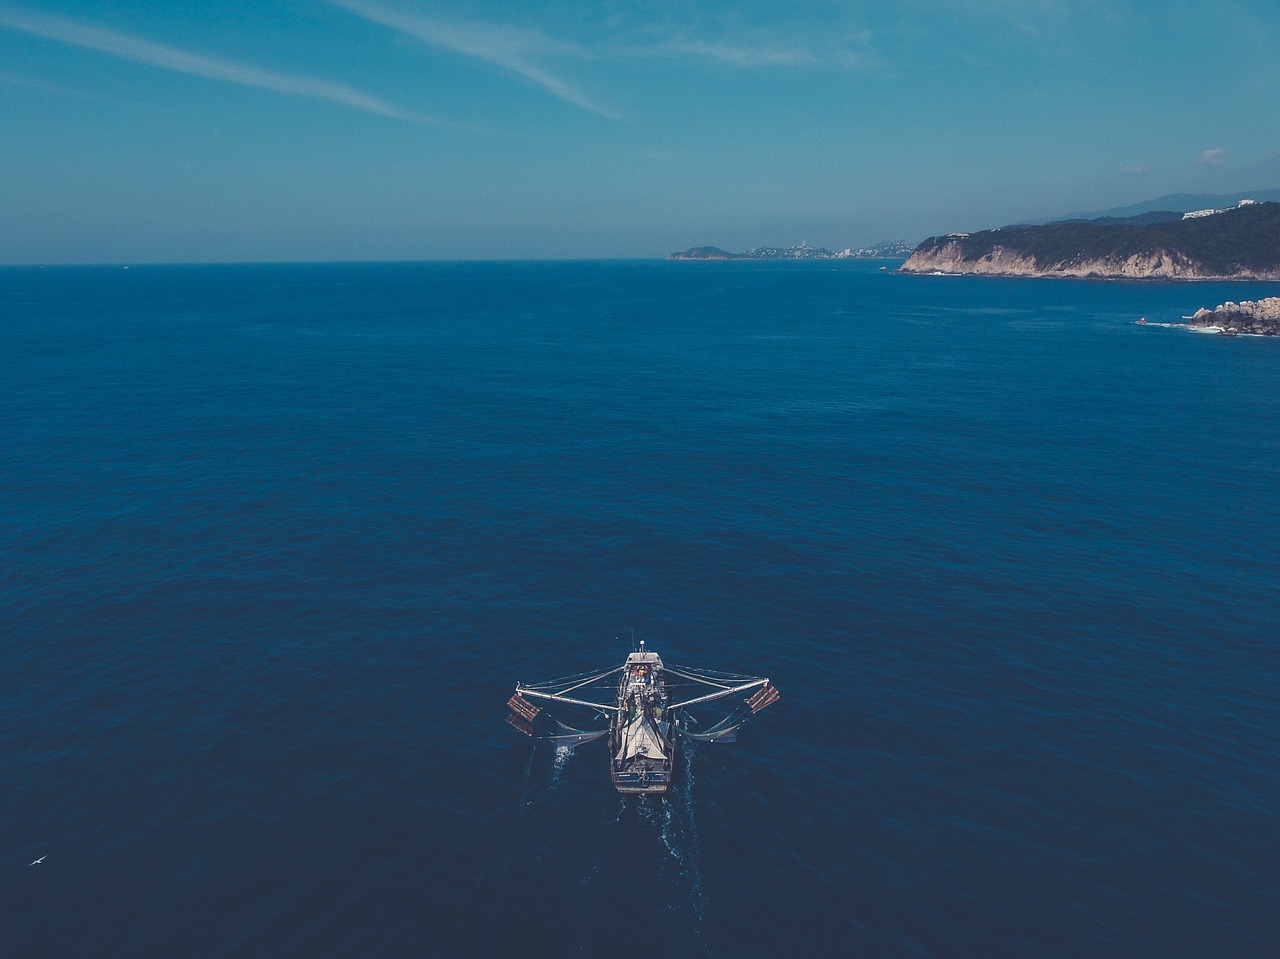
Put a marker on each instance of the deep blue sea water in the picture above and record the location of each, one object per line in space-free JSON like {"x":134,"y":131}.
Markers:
{"x":279,"y":540}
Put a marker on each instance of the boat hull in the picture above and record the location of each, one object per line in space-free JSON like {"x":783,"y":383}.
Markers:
{"x":654,"y":778}
{"x":655,"y":790}
{"x":642,"y":731}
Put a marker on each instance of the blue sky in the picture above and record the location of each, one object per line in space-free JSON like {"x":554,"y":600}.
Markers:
{"x":161,"y":130}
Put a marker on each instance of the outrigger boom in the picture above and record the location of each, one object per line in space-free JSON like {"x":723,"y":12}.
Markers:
{"x":526,"y":691}
{"x":722,"y":694}
{"x":644,"y":723}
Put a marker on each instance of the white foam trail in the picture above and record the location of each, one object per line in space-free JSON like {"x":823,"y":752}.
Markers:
{"x":668,"y":838}
{"x":528,"y":768}
{"x":562,"y":759}
{"x":696,"y":895}
{"x":622,"y":807}
{"x":644,"y":806}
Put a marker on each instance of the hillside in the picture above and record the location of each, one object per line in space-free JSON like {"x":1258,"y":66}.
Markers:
{"x":1181,"y":202}
{"x":1241,"y":243}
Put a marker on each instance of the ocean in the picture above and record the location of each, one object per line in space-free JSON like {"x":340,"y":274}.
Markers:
{"x":279,"y":541}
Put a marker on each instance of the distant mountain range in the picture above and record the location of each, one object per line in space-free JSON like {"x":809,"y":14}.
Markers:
{"x":1179,"y":202}
{"x":1201,"y":243}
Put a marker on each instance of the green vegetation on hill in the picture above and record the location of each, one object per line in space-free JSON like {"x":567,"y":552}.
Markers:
{"x":1242,"y":240}
{"x":1182,"y":202}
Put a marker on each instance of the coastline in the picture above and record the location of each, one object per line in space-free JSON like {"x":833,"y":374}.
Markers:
{"x":951,"y":261}
{"x":1095,"y":277}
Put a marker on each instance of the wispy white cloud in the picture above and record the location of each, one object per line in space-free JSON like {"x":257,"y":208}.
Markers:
{"x":30,"y":83}
{"x":510,"y":48}
{"x":164,"y":57}
{"x":736,"y":54}
{"x":745,"y":34}
{"x":1214,"y":156}
{"x":747,"y":54}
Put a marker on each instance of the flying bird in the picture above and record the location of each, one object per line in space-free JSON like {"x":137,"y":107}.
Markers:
{"x":38,"y":861}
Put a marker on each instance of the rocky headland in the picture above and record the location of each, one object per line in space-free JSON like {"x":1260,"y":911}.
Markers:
{"x":1242,"y":243}
{"x":1261,"y":317}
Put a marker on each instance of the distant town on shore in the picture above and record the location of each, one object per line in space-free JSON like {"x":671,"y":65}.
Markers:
{"x":1177,"y":236}
{"x":889,"y":249}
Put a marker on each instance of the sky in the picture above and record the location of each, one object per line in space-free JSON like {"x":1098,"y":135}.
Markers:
{"x":292,"y":130}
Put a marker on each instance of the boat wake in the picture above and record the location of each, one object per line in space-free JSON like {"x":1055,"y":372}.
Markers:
{"x":680,"y":836}
{"x":561,"y":761}
{"x":646,"y":849}
{"x":671,"y":816}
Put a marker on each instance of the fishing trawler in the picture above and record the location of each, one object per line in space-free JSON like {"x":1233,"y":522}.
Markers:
{"x":648,"y":716}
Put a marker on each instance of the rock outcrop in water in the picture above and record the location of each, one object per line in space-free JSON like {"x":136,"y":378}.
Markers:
{"x":1242,"y":243}
{"x":1248,"y":316}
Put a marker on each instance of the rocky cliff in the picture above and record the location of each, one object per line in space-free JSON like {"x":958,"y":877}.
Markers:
{"x":1242,"y":243}
{"x":1004,"y":261}
{"x":1248,"y":316}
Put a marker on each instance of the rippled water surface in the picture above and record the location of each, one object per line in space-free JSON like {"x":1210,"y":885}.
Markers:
{"x":279,"y":540}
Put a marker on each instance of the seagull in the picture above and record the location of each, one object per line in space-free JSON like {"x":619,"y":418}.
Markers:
{"x":38,"y":861}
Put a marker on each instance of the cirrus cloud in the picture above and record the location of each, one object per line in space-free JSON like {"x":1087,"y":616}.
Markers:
{"x":507,"y":47}
{"x":138,"y":50}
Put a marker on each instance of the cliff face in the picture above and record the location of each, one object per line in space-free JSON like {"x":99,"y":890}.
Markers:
{"x":1002,"y":261}
{"x":1235,"y":244}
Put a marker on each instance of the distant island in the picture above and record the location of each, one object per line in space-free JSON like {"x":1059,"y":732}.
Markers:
{"x":889,"y":249}
{"x":1240,"y":243}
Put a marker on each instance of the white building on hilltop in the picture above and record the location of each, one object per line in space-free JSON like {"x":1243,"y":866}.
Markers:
{"x":1196,"y":214}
